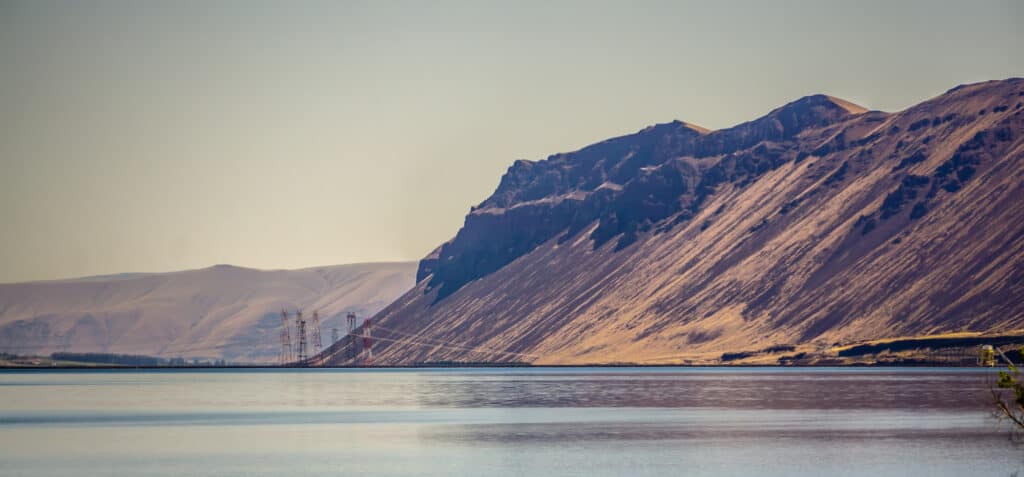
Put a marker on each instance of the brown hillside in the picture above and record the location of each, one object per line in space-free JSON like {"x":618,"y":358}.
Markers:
{"x":222,"y":312}
{"x":818,"y":223}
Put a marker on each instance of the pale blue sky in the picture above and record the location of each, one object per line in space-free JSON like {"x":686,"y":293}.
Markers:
{"x":153,"y":136}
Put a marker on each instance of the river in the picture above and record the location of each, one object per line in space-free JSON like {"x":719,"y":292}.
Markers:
{"x":504,"y":422}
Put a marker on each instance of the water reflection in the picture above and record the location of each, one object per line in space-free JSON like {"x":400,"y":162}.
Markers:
{"x":503,"y":422}
{"x":729,"y":389}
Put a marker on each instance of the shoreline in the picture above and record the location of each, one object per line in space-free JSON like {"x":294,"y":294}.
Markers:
{"x":5,"y":369}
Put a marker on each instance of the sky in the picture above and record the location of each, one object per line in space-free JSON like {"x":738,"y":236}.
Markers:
{"x":159,"y":136}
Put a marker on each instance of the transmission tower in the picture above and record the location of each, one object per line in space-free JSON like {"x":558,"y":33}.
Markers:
{"x":286,"y":340}
{"x":334,"y":335}
{"x":351,"y":318}
{"x":367,"y":342}
{"x":351,"y":335}
{"x":300,"y":326}
{"x":314,"y":334}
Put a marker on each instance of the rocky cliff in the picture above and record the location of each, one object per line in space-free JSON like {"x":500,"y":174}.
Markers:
{"x":820,"y":222}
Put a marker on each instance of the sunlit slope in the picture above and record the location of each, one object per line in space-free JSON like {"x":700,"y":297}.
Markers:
{"x":819,"y":223}
{"x":218,"y":312}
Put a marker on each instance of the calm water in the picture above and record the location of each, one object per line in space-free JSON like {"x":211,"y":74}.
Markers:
{"x":518,"y":422}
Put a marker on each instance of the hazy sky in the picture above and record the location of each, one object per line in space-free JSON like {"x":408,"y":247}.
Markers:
{"x":154,"y":136}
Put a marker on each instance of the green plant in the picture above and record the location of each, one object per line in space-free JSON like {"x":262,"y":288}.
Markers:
{"x":1012,"y":410}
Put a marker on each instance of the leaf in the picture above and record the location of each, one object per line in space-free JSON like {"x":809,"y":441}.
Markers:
{"x":1005,"y":380}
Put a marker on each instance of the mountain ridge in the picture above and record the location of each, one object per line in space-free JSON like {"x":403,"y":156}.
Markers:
{"x":539,"y":183}
{"x":811,"y":224}
{"x":222,"y":312}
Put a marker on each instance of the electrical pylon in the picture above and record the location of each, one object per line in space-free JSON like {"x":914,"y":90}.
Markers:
{"x":314,"y":334}
{"x":367,"y":342}
{"x":286,"y":340}
{"x":351,"y":335}
{"x":300,"y":327}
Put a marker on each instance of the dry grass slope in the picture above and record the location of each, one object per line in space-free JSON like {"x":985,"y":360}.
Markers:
{"x":221,"y":312}
{"x":816,"y":225}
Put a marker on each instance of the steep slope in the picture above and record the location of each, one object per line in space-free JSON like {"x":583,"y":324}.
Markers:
{"x":820,"y":222}
{"x":218,"y":312}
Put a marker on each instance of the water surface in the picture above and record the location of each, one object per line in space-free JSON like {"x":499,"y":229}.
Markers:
{"x":504,"y":422}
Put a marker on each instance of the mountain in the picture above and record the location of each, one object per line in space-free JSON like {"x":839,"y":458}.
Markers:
{"x":817,"y":224}
{"x":221,"y":312}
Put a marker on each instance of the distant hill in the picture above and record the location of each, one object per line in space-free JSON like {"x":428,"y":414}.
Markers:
{"x":221,"y":312}
{"x":819,"y":223}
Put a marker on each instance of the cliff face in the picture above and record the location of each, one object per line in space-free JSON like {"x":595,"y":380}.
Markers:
{"x":626,"y":184}
{"x":819,"y":222}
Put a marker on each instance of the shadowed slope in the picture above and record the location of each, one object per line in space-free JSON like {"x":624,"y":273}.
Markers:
{"x":817,"y":223}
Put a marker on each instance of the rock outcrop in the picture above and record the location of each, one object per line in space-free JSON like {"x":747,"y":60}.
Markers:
{"x":818,"y":223}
